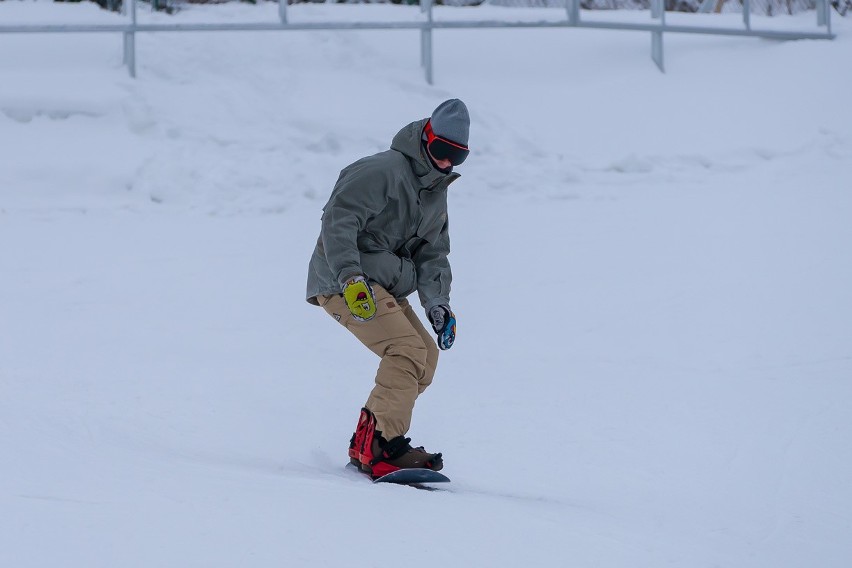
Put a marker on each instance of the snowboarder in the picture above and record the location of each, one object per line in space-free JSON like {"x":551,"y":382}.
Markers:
{"x":384,"y":235}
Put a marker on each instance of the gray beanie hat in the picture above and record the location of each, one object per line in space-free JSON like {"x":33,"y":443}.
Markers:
{"x":452,"y":121}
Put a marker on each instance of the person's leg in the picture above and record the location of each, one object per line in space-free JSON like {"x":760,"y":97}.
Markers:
{"x":428,"y":340}
{"x":406,"y":366}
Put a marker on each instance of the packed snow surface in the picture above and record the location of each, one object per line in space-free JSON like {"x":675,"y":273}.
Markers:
{"x":653,"y":283}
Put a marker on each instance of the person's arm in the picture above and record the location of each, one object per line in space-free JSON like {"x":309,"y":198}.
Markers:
{"x":434,"y":278}
{"x":361,"y":192}
{"x":434,"y":275}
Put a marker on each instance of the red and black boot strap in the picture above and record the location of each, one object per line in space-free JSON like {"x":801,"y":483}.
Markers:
{"x":393,"y":449}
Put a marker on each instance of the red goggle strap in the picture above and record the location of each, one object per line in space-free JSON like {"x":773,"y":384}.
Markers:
{"x":430,"y":136}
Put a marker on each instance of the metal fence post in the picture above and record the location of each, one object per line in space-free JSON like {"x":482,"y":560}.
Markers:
{"x":423,"y":9}
{"x":130,"y":42}
{"x":426,"y":41}
{"x":658,"y":11}
{"x":747,"y":14}
{"x":573,"y":9}
{"x":282,"y":10}
{"x":823,"y":10}
{"x":827,"y":18}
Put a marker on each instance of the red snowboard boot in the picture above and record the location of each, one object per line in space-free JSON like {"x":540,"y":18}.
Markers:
{"x":356,"y":444}
{"x":378,"y":457}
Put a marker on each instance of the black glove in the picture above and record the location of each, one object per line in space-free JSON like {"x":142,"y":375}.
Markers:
{"x":444,"y":323}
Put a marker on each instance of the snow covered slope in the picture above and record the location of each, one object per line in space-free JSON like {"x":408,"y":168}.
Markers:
{"x":652,"y":276}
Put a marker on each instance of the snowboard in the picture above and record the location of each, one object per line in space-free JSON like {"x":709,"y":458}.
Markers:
{"x":407,"y":476}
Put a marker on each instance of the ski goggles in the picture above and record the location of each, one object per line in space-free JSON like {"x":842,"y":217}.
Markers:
{"x":443,"y":148}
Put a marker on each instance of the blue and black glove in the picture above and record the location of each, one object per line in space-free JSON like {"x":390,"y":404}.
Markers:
{"x":444,"y":323}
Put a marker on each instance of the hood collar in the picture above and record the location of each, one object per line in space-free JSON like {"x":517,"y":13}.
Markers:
{"x":408,"y":142}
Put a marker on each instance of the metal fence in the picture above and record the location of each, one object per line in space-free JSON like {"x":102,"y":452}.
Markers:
{"x":761,"y":7}
{"x":426,"y":24}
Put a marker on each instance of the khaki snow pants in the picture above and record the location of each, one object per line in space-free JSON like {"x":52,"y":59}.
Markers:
{"x":408,"y":352}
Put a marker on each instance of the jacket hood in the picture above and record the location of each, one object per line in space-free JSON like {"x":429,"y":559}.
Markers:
{"x":408,"y":142}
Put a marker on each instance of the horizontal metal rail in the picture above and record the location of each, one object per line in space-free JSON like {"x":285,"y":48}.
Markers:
{"x":315,"y":26}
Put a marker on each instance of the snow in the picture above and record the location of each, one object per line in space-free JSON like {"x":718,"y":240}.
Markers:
{"x":652,"y":276}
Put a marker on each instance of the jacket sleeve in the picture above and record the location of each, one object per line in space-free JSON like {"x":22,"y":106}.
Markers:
{"x":361,"y":192}
{"x":434,"y":275}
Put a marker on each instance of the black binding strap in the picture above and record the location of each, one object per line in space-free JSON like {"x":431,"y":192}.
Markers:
{"x":394,"y":448}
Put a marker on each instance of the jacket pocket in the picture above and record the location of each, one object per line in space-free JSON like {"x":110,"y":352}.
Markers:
{"x":395,"y":274}
{"x":407,"y":282}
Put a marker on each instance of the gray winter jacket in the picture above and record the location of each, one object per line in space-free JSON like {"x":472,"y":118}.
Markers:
{"x":387,"y":219}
